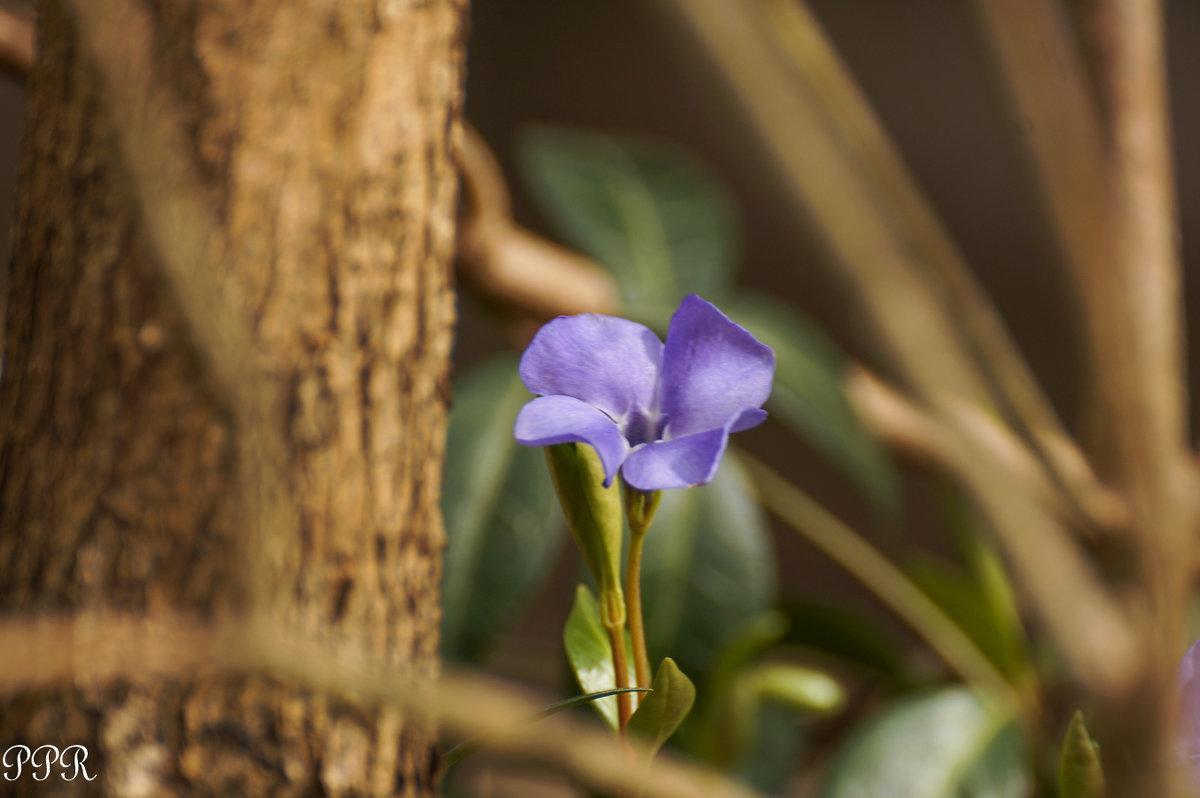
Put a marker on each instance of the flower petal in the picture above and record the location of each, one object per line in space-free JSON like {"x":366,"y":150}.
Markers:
{"x":548,"y":420}
{"x":681,"y":463}
{"x":687,"y":461}
{"x":609,"y":363}
{"x":712,"y":369}
{"x":750,"y":417}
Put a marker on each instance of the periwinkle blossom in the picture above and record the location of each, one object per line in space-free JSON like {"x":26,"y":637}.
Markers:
{"x":660,"y":414}
{"x":1187,"y":726}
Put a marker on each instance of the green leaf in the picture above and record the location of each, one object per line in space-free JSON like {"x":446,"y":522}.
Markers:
{"x":723,"y":727}
{"x":1006,"y":641}
{"x":798,"y":688}
{"x":774,"y":748}
{"x":648,"y":213}
{"x":707,"y":570}
{"x":941,"y":744}
{"x":847,"y":635}
{"x":502,"y":519}
{"x":807,"y":397}
{"x":1079,"y":771}
{"x":661,"y":712}
{"x":467,"y":747}
{"x":963,"y":597}
{"x":739,"y":691}
{"x":590,"y":653}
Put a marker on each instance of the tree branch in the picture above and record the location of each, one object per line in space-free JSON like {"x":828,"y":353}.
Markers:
{"x":513,"y":265}
{"x":91,"y":649}
{"x":17,"y":40}
{"x":903,"y":424}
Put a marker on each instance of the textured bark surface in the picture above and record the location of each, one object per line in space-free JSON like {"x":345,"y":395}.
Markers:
{"x":131,"y":479}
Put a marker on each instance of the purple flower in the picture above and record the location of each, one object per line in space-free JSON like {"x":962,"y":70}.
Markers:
{"x":1187,"y":726}
{"x":661,"y":414}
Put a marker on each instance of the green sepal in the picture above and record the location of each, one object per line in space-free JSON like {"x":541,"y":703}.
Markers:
{"x":594,"y":516}
{"x":1079,"y":771}
{"x":661,"y":712}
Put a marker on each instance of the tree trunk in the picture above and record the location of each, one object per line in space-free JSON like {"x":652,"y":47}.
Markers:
{"x":140,"y":470}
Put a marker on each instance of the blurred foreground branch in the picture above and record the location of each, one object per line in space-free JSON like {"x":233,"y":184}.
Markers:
{"x":91,"y":649}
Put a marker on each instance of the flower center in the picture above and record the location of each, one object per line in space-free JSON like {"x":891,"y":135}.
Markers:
{"x":642,"y":426}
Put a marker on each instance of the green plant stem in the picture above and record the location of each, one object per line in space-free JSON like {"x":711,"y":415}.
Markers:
{"x":621,"y":676}
{"x":640,"y":508}
{"x":633,"y":605}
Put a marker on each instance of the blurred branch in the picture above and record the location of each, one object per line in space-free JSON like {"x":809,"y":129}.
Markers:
{"x":891,"y":585}
{"x":845,"y":170}
{"x":1137,"y":306}
{"x":1114,"y":211}
{"x":850,"y":114}
{"x":17,"y":43}
{"x":1109,"y":187}
{"x":510,"y":263}
{"x":1014,"y":492}
{"x":914,"y":309}
{"x":824,"y":172}
{"x":903,"y":424}
{"x":88,"y":649}
{"x":1041,"y":65}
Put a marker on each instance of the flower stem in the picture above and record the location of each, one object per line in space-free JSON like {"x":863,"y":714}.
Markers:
{"x":621,"y":676}
{"x":633,"y":604}
{"x":640,"y":507}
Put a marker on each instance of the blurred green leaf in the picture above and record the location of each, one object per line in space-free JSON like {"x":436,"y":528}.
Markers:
{"x":941,"y":744}
{"x":750,"y":640}
{"x":502,"y":518}
{"x":799,"y":688}
{"x":773,"y":750}
{"x":849,"y":636}
{"x":1079,"y":772}
{"x":961,"y":598}
{"x":1001,"y":620}
{"x":467,"y":747}
{"x":707,"y":570}
{"x":724,"y":727}
{"x":648,"y":213}
{"x":590,"y":653}
{"x":964,"y":599}
{"x":747,"y":718}
{"x":661,"y":712}
{"x":807,"y":397}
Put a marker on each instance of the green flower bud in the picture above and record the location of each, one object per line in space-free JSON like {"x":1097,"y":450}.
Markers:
{"x":594,"y":515}
{"x":640,"y":507}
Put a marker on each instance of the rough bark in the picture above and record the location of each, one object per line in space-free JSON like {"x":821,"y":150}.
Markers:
{"x":131,"y":478}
